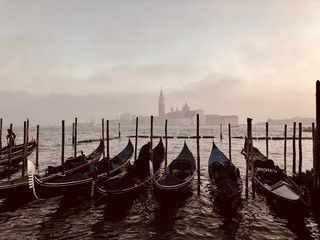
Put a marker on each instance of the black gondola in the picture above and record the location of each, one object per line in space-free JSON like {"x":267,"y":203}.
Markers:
{"x":81,"y":182}
{"x":17,"y":153}
{"x":15,"y":148}
{"x":20,"y":186}
{"x":225,"y":179}
{"x":273,"y":182}
{"x":135,"y":178}
{"x":176,"y":178}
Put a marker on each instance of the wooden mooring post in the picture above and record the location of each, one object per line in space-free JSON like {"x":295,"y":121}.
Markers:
{"x":151,"y":152}
{"x":166,"y":143}
{"x":108,"y":147}
{"x":294,"y":149}
{"x":37,"y":147}
{"x":249,"y":159}
{"x":285,"y":148}
{"x":267,"y":140}
{"x":10,"y":150}
{"x":229,"y":130}
{"x":0,"y":136}
{"x":75,"y":136}
{"x":136,"y":142}
{"x":25,"y":149}
{"x":316,"y":161}
{"x":62,"y":148}
{"x":102,"y":133}
{"x":220,"y":131}
{"x":198,"y":154}
{"x":300,"y":152}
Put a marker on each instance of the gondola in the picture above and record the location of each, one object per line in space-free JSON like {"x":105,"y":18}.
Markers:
{"x":136,"y":178}
{"x":20,"y":186}
{"x":81,"y":182}
{"x":225,"y":179}
{"x":118,"y":163}
{"x":176,"y":178}
{"x":15,"y":148}
{"x":273,"y":182}
{"x":17,"y":154}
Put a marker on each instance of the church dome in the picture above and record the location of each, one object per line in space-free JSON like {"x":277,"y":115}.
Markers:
{"x":185,"y":108}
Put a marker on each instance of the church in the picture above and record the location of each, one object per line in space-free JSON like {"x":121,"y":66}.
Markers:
{"x":182,"y":117}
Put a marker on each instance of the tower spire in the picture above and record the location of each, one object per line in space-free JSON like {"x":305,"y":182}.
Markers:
{"x":161,"y":104}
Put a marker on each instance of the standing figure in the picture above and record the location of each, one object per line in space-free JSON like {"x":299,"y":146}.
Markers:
{"x":13,"y":138}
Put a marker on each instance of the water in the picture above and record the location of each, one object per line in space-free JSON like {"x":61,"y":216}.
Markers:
{"x":194,"y":217}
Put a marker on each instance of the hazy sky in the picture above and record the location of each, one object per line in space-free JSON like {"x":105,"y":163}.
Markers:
{"x":97,"y":59}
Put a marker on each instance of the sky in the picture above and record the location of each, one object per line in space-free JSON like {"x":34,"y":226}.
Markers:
{"x":94,"y":59}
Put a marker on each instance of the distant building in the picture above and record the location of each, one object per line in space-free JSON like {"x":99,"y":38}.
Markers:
{"x":161,"y":105}
{"x":183,"y":117}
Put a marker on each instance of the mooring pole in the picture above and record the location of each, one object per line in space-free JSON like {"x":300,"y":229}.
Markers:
{"x":27,"y":132}
{"x":294,"y":149}
{"x":252,"y":161}
{"x":229,"y":128}
{"x":267,"y":140}
{"x":247,"y":146}
{"x":313,"y":151}
{"x":24,"y":149}
{"x":10,"y":150}
{"x":62,"y":148}
{"x":75,"y":137}
{"x":312,"y":126}
{"x":300,"y":151}
{"x":166,"y":142}
{"x":151,"y":153}
{"x":198,"y":154}
{"x":37,"y":148}
{"x":102,"y":133}
{"x":108,"y":147}
{"x":119,"y":131}
{"x":136,"y":143}
{"x":317,"y":136}
{"x":220,"y":131}
{"x":0,"y":136}
{"x":285,"y":148}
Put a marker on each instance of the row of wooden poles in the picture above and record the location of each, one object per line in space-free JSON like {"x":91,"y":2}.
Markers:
{"x":25,"y":148}
{"x":74,"y":140}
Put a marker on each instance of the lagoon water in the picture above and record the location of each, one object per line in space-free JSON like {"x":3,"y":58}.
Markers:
{"x":194,"y":217}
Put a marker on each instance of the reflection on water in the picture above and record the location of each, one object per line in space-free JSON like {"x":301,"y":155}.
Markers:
{"x":192,"y":216}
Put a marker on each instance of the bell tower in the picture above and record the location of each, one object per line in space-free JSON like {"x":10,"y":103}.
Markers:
{"x":161,"y":104}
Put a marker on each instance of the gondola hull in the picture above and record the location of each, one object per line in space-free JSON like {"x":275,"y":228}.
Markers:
{"x":81,"y":183}
{"x":17,"y":155}
{"x":72,"y":185}
{"x":135,"y":179}
{"x":225,"y":180}
{"x":118,"y":163}
{"x":177,"y":177}
{"x":20,"y":186}
{"x":273,"y":182}
{"x":169,"y":194}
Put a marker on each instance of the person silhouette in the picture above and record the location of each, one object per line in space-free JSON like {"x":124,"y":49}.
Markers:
{"x":13,"y":138}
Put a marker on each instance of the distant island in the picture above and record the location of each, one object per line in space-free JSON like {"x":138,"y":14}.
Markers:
{"x":183,"y":117}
